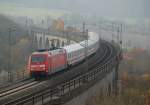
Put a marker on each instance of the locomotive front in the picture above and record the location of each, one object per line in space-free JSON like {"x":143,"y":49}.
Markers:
{"x":38,"y":64}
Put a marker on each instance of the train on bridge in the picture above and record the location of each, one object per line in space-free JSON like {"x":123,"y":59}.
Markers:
{"x":47,"y":62}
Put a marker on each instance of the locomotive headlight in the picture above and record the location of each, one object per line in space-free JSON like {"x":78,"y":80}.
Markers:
{"x":32,"y":66}
{"x":42,"y":66}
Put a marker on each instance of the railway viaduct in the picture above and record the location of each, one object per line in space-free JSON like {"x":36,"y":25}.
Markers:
{"x":101,"y":77}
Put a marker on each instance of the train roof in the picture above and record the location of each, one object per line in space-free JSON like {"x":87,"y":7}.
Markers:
{"x":49,"y":52}
{"x":93,"y":37}
{"x":73,"y":47}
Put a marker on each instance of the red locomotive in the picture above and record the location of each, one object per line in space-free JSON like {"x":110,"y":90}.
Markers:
{"x":47,"y":62}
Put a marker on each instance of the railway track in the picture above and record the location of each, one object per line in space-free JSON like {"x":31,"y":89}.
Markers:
{"x":99,"y":60}
{"x":20,"y":88}
{"x":71,"y":84}
{"x":108,"y":53}
{"x":18,"y":84}
{"x":31,"y":82}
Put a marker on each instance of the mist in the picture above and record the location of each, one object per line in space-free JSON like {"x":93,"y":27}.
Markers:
{"x":110,"y":8}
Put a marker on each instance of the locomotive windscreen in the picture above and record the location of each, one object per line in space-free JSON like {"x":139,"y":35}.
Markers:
{"x":38,"y":59}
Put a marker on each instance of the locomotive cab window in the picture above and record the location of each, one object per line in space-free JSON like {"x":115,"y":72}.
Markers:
{"x":38,"y":59}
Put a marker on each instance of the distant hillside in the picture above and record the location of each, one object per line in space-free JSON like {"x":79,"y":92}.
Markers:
{"x":19,"y":43}
{"x":6,"y":24}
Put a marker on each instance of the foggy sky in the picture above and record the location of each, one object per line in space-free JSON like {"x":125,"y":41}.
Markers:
{"x":114,"y":8}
